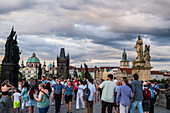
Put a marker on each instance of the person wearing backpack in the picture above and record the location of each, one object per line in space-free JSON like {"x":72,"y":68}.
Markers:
{"x":153,"y":93}
{"x":146,"y":98}
{"x":89,"y":94}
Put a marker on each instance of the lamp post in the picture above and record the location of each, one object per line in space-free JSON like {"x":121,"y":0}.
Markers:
{"x":95,"y":70}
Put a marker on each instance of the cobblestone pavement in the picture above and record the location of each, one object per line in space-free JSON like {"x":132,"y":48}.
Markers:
{"x":96,"y":107}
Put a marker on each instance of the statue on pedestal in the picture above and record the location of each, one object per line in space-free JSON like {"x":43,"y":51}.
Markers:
{"x":139,"y":49}
{"x":147,"y":56}
{"x":10,"y":66}
{"x":87,"y":75}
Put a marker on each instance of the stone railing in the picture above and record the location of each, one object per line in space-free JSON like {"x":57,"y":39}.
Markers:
{"x":161,"y":99}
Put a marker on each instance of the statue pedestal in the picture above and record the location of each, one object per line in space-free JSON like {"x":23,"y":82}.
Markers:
{"x":10,"y":72}
{"x":143,"y":71}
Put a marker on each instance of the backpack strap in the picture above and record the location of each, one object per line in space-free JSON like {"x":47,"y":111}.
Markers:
{"x":45,"y":94}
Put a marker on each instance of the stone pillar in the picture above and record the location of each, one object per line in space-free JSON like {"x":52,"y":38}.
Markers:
{"x":10,"y":72}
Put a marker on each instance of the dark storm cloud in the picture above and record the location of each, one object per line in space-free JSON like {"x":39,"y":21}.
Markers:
{"x":7,"y":6}
{"x":93,"y":31}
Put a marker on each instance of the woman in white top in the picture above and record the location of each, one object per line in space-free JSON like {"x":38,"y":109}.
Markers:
{"x":80,"y":95}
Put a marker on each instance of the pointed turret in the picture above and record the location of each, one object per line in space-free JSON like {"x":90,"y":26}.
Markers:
{"x":22,"y":65}
{"x":124,"y":63}
{"x":62,"y":53}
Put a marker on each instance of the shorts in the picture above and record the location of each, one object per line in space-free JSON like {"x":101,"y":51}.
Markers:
{"x":24,"y":103}
{"x":68,"y":98}
{"x":146,"y":105}
{"x":16,"y":104}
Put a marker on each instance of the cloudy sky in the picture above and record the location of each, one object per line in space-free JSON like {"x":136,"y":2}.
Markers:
{"x":92,"y":31}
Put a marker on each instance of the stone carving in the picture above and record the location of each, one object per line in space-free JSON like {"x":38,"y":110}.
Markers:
{"x":12,"y":53}
{"x":139,"y":49}
{"x":147,"y":56}
{"x":86,"y":71}
{"x":39,"y":71}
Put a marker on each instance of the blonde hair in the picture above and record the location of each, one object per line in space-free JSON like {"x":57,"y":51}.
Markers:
{"x":43,"y":85}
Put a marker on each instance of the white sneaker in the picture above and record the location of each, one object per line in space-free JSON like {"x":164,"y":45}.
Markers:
{"x":52,"y":104}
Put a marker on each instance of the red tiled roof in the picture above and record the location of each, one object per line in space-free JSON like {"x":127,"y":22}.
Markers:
{"x":71,"y":67}
{"x":128,"y":70}
{"x":108,"y":67}
{"x":157,"y":72}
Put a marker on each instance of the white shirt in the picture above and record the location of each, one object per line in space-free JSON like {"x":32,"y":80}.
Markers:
{"x":52,"y":82}
{"x":92,"y":90}
{"x":17,"y":96}
{"x":114,"y":81}
{"x":80,"y":88}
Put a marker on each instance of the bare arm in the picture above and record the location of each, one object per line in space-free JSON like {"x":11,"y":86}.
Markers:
{"x":40,"y":97}
{"x":28,"y":94}
{"x":12,"y":98}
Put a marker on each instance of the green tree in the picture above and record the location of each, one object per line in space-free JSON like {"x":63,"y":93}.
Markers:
{"x":163,"y":81}
{"x":19,"y":77}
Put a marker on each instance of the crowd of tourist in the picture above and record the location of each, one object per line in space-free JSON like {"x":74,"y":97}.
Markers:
{"x":114,"y":95}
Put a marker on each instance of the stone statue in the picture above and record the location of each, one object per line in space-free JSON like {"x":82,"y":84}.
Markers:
{"x":75,"y":72}
{"x":12,"y":53}
{"x":10,"y":66}
{"x":39,"y":72}
{"x":86,"y":71}
{"x":147,"y":56}
{"x":139,"y":49}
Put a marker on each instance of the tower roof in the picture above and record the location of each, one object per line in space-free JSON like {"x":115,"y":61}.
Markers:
{"x":124,"y":56}
{"x":62,"y":53}
{"x":50,"y":65}
{"x":33,"y":59}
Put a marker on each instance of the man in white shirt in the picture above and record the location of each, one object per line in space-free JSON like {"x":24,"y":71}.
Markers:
{"x":109,"y":90}
{"x":92,"y":96}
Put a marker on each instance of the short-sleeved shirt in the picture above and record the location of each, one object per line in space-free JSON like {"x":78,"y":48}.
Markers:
{"x":137,"y":88}
{"x":16,"y":96}
{"x":108,"y":90}
{"x":92,"y":90}
{"x":80,"y":88}
{"x":44,"y":81}
{"x":58,"y":88}
{"x":75,"y":85}
{"x":69,"y":91}
{"x":24,"y":94}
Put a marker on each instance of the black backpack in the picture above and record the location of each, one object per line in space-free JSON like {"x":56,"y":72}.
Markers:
{"x":86,"y":93}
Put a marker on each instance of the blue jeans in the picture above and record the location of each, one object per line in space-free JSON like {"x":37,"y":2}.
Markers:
{"x":138,"y":104}
{"x":43,"y":110}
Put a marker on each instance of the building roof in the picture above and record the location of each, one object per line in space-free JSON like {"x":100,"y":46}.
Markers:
{"x":157,"y":72}
{"x":128,"y":70}
{"x":50,"y":65}
{"x":33,"y":59}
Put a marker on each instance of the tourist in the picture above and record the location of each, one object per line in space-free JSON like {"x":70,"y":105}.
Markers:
{"x":137,"y":89}
{"x":43,"y":79}
{"x":156,"y":88}
{"x":80,"y":95}
{"x":153,"y":93}
{"x":92,"y":96}
{"x":167,"y":94}
{"x":115,"y":80}
{"x":100,"y":94}
{"x":31,"y":83}
{"x":109,"y":90}
{"x":53,"y":82}
{"x":16,"y":100}
{"x":146,"y":98}
{"x":69,"y":93}
{"x":124,"y":93}
{"x":31,"y":100}
{"x":75,"y":87}
{"x":20,"y":86}
{"x":57,"y":95}
{"x":24,"y":96}
{"x":5,"y":99}
{"x":85,"y":81}
{"x":43,"y":102}
{"x":48,"y":87}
